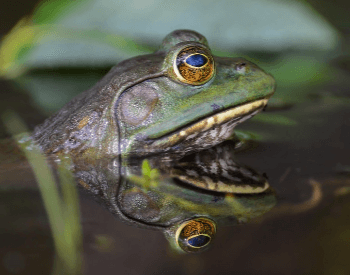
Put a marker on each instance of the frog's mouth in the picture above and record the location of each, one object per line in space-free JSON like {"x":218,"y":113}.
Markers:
{"x":208,"y":131}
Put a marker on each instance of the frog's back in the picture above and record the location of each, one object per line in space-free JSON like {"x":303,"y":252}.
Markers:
{"x":77,"y":126}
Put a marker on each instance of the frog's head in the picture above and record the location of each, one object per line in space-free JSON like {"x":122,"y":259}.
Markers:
{"x":195,"y":103}
{"x":179,"y":99}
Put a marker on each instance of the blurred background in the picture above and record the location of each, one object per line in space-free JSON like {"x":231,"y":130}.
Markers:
{"x":293,"y":40}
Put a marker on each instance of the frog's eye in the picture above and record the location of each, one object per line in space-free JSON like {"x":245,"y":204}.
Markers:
{"x":195,"y":235}
{"x":194,"y":65}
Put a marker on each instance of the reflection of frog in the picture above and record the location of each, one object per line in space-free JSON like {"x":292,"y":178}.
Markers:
{"x":187,"y":199}
{"x":189,"y":216}
{"x":179,"y":99}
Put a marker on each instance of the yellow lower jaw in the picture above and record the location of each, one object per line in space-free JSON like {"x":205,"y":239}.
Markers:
{"x":207,"y":123}
{"x":208,"y":184}
{"x":222,"y":117}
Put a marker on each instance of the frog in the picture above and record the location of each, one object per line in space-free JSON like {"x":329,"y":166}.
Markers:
{"x":173,"y":108}
{"x":177,"y":100}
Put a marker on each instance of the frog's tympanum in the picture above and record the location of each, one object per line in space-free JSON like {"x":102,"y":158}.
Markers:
{"x":164,"y":106}
{"x":179,"y":99}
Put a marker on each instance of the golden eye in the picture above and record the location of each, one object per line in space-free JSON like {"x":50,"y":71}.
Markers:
{"x":194,"y":65}
{"x":196,"y":234}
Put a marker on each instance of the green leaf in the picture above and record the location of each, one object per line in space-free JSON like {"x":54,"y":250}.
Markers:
{"x":146,"y":169}
{"x":63,"y":213}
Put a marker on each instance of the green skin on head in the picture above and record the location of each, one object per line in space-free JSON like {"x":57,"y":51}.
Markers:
{"x":159,"y":103}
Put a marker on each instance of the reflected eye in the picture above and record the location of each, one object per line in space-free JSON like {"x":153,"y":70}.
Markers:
{"x":194,"y":65}
{"x":198,"y":241}
{"x":196,"y":234}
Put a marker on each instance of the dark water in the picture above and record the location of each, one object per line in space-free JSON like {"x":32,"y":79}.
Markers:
{"x":307,"y":232}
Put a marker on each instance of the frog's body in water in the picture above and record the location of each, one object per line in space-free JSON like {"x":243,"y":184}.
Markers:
{"x":179,"y":99}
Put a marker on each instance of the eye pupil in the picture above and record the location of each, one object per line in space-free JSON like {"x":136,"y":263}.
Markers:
{"x":198,"y":241}
{"x":196,"y":60}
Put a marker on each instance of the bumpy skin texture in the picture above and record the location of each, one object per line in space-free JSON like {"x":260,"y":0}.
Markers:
{"x":87,"y":125}
{"x":141,"y":106}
